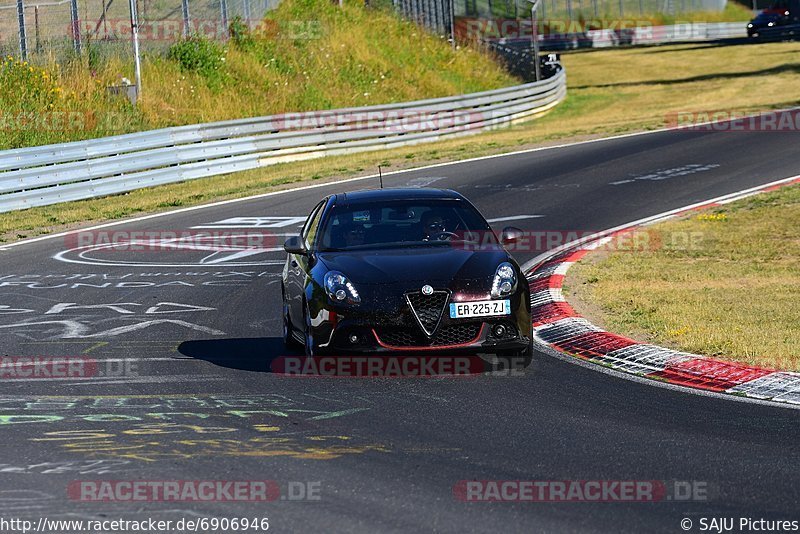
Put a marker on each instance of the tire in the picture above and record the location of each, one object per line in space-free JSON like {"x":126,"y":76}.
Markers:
{"x":310,"y":346}
{"x":289,"y":341}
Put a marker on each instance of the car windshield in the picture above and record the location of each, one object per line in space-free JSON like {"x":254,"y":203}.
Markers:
{"x":404,"y":223}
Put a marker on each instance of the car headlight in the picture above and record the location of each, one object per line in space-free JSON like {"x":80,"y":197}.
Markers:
{"x":749,"y":25}
{"x":505,"y":280}
{"x":340,"y":289}
{"x":770,"y":24}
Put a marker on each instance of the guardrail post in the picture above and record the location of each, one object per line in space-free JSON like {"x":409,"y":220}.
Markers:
{"x":535,"y":39}
{"x":23,"y":39}
{"x":452,"y":12}
{"x":246,"y":11}
{"x":76,"y":26}
{"x":36,"y":34}
{"x":223,"y":11}
{"x":186,"y":22}
{"x":136,"y":57}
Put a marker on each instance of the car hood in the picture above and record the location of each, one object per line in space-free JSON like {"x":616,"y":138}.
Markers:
{"x":765,"y":19}
{"x":422,"y":264}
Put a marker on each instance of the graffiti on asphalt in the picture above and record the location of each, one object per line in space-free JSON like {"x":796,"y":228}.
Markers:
{"x":150,"y":428}
{"x":70,"y":320}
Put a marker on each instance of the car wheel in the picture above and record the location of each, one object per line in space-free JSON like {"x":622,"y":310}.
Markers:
{"x":289,"y":341}
{"x":310,"y":347}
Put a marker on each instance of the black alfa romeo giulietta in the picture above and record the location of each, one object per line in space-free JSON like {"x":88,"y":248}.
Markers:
{"x":404,"y":270}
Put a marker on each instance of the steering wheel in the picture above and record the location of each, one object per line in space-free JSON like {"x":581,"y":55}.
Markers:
{"x":445,"y":236}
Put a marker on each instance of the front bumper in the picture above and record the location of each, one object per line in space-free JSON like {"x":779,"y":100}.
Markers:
{"x":385,"y":323}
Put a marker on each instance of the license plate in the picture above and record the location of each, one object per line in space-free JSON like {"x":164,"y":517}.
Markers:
{"x":482,"y":308}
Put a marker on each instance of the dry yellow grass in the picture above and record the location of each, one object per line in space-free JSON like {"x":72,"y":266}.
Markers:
{"x":357,"y":57}
{"x":733,"y":296}
{"x":610,"y":91}
{"x":338,"y":57}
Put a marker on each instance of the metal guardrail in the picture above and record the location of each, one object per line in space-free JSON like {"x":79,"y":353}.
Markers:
{"x":645,"y":35}
{"x":691,"y":31}
{"x":44,"y":175}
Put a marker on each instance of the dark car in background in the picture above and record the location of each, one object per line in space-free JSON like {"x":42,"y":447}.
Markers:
{"x":404,"y":270}
{"x":777,"y":22}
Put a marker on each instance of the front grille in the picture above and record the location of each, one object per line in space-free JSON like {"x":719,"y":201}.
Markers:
{"x":428,"y":309}
{"x":400,"y":338}
{"x":457,"y":334}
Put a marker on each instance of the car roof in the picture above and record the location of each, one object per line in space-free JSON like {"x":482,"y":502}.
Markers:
{"x":388,"y":195}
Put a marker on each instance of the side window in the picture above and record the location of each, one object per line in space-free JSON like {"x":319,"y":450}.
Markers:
{"x":311,"y":228}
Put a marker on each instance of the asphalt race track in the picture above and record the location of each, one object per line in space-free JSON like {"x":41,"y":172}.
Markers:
{"x":182,"y":339}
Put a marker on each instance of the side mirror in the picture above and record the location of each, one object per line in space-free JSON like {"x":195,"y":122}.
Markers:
{"x":511,"y":235}
{"x":295,"y":245}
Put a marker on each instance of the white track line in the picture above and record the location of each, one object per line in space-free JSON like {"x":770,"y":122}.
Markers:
{"x":654,"y":219}
{"x":552,"y":351}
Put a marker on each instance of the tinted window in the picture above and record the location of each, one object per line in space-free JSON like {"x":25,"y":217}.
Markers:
{"x":310,"y":230}
{"x":400,"y":223}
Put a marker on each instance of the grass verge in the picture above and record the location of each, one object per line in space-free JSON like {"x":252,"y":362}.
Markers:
{"x":610,"y":91}
{"x":345,"y":57}
{"x":732,"y":295}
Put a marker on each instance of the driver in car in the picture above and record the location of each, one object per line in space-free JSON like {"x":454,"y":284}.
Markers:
{"x":433,"y":226}
{"x":347,"y":234}
{"x":354,"y":235}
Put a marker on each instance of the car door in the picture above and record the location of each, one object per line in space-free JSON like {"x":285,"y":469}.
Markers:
{"x":299,"y":266}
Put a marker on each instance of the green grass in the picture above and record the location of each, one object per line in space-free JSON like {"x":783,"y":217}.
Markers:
{"x":355,"y":57}
{"x":732,"y":295}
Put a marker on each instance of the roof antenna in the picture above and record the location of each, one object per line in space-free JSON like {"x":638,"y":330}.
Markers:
{"x":380,"y":175}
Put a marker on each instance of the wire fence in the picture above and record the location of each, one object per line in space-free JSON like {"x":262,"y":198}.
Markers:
{"x":582,"y":9}
{"x":490,"y":20}
{"x":506,"y":28}
{"x":41,"y":31}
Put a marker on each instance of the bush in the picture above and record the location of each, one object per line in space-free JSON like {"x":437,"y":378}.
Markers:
{"x":24,"y":87}
{"x":203,"y":56}
{"x":240,"y":34}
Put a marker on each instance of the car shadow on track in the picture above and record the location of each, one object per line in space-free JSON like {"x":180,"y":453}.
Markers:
{"x":269,"y":355}
{"x":244,"y":354}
